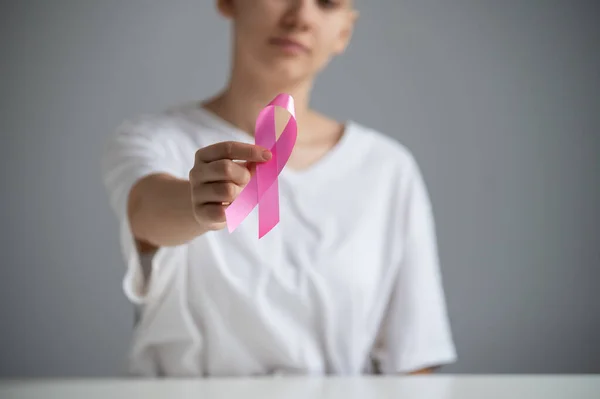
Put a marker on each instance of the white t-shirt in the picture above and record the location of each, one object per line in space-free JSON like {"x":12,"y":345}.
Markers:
{"x":349,"y":277}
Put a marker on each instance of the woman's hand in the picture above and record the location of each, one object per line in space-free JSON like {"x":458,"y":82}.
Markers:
{"x":216,"y":179}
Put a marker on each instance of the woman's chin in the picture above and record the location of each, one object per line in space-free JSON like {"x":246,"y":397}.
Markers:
{"x":286,"y":73}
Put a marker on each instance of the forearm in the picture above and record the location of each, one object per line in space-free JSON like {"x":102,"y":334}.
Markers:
{"x":160,"y":211}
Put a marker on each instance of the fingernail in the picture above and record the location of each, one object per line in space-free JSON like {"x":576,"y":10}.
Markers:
{"x":267,"y":154}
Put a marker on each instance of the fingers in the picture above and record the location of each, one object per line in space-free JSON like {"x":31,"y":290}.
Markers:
{"x":225,"y":170}
{"x":213,"y":214}
{"x":216,"y":180}
{"x":251,"y":167}
{"x":216,"y":192}
{"x":233,"y":150}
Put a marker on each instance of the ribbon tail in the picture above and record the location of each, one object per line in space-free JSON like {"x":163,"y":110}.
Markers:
{"x":245,"y":202}
{"x":268,"y":210}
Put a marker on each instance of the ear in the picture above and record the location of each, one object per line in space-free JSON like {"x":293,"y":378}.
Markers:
{"x":226,"y":8}
{"x":346,"y":33}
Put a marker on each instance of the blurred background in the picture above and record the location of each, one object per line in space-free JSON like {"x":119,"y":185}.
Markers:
{"x":498,"y":100}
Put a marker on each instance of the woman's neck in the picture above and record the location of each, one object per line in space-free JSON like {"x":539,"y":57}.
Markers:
{"x":245,"y":96}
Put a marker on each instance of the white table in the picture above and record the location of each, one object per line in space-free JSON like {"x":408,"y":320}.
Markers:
{"x":426,"y":387}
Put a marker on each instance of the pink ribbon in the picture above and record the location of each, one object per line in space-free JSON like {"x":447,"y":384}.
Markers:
{"x":263,"y":188}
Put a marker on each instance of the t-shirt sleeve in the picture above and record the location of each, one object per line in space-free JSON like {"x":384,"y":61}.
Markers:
{"x":415,"y":332}
{"x":137,"y":148}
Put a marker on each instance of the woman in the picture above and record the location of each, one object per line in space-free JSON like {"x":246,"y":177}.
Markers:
{"x":347,"y":283}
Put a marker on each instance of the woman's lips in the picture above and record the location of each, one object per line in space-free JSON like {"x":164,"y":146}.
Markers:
{"x":289,"y":45}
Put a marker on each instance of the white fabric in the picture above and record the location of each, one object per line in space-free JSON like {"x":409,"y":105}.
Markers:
{"x":349,"y":276}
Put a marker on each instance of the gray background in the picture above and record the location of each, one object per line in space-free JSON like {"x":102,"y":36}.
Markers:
{"x":498,"y":100}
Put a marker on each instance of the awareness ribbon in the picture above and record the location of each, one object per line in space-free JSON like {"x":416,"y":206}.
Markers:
{"x":263,"y":187}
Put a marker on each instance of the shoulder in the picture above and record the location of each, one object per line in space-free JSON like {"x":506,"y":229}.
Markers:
{"x":381,"y":149}
{"x":167,"y":137}
{"x":390,"y":163}
{"x":370,"y":145}
{"x":175,"y":123}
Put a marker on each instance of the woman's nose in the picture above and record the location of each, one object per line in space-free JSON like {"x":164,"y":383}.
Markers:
{"x":300,"y":13}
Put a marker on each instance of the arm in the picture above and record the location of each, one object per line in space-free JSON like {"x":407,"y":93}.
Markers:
{"x":167,"y":211}
{"x":160,"y":211}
